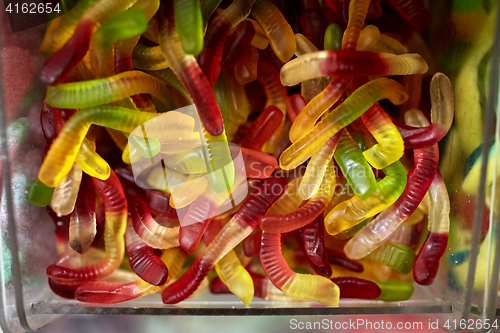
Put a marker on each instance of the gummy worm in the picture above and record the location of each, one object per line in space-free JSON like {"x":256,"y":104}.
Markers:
{"x":189,"y":25}
{"x":115,"y":206}
{"x":353,"y":211}
{"x":142,"y":259}
{"x":276,"y":95}
{"x":230,"y":270}
{"x":281,"y":223}
{"x":276,"y":28}
{"x":262,"y":128}
{"x":87,"y":159}
{"x":64,"y":150}
{"x":442,"y":99}
{"x":328,"y":63}
{"x":102,"y":91}
{"x":64,"y":196}
{"x":237,"y":44}
{"x":121,"y":26}
{"x":353,"y":107}
{"x":211,"y":56}
{"x":59,"y":64}
{"x":113,"y":292}
{"x":354,"y":167}
{"x":381,"y":227}
{"x":316,"y":168}
{"x":352,"y":287}
{"x":301,"y":286}
{"x":426,"y":264}
{"x":150,"y":231}
{"x":189,"y":73}
{"x":238,"y":228}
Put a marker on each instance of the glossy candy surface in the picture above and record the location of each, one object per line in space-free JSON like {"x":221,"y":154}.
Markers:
{"x":165,"y":120}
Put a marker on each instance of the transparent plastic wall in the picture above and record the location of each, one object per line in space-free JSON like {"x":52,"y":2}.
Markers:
{"x":467,"y":282}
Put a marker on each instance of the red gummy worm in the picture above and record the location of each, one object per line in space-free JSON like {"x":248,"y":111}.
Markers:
{"x":240,"y":226}
{"x":189,"y":72}
{"x":426,"y":264}
{"x":195,"y":222}
{"x":313,"y":237}
{"x":211,"y":56}
{"x":272,"y":260}
{"x":213,"y":229}
{"x":251,"y":244}
{"x":414,"y":12}
{"x":281,"y":223}
{"x":262,"y":128}
{"x":115,"y":204}
{"x":352,"y":287}
{"x":62,"y":290}
{"x":159,"y":203}
{"x":237,"y":44}
{"x":294,"y":105}
{"x":420,"y":137}
{"x":58,"y":65}
{"x":143,"y":260}
{"x":301,"y":256}
{"x":347,"y":62}
{"x":339,"y":259}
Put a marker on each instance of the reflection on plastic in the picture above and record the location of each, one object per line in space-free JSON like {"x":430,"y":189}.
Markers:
{"x":177,"y":164}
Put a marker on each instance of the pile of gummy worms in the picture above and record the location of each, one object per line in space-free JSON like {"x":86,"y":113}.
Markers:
{"x":304,"y":83}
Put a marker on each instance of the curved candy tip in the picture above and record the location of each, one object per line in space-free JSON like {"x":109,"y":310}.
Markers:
{"x":62,"y":290}
{"x":426,"y":265}
{"x":58,"y":65}
{"x":55,"y":271}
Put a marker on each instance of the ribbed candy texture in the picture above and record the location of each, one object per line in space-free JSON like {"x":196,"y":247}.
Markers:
{"x":115,"y":206}
{"x":237,"y":229}
{"x":281,"y":223}
{"x":142,"y":259}
{"x":353,"y":107}
{"x":380,"y":229}
{"x":305,"y":287}
{"x":277,"y":29}
{"x":349,"y":213}
{"x":328,"y":63}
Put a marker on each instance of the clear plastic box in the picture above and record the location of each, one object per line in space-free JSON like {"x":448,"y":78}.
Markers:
{"x":27,"y":303}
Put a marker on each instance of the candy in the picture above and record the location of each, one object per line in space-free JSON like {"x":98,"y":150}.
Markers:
{"x":115,"y":206}
{"x":201,"y":104}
